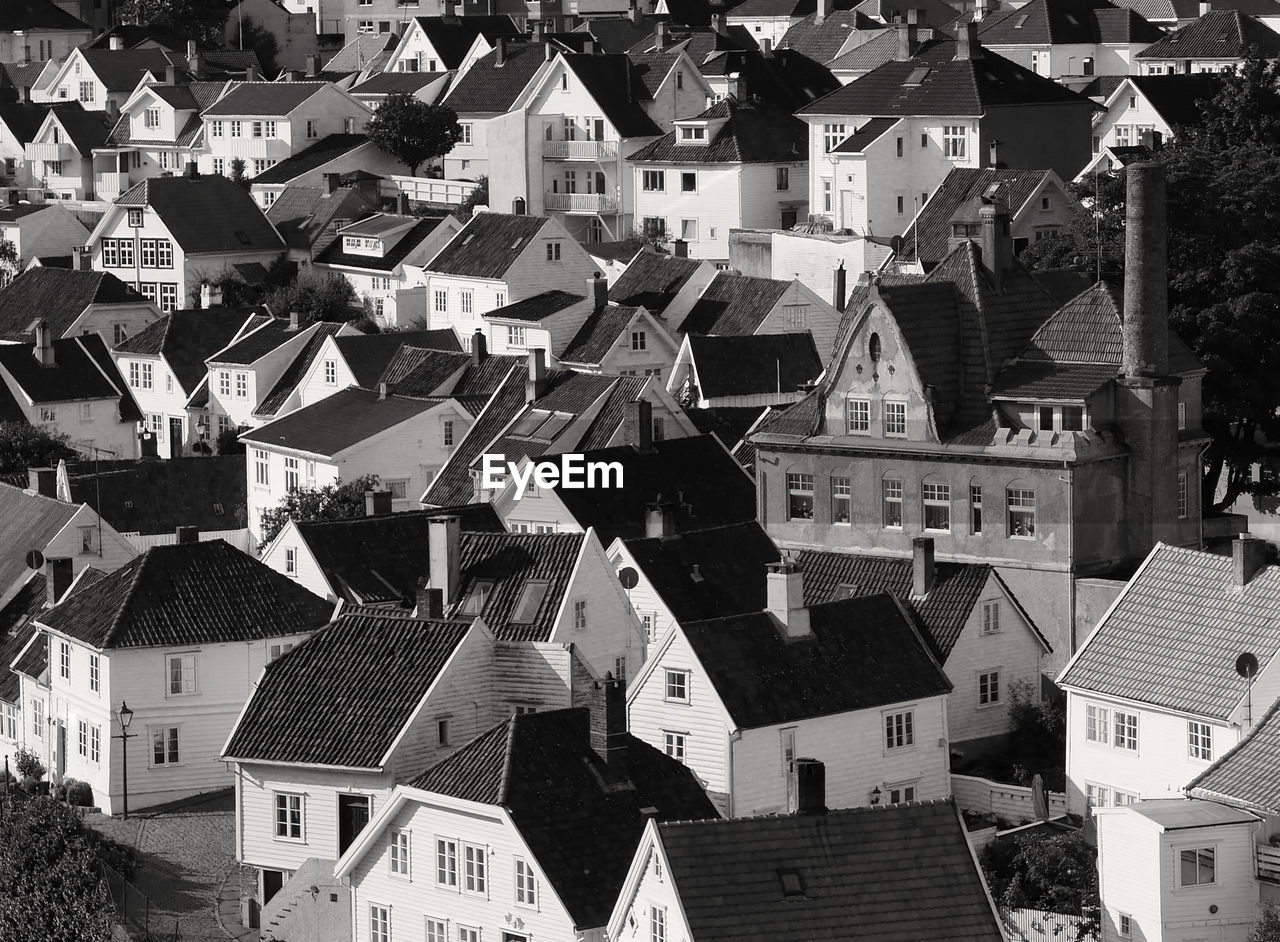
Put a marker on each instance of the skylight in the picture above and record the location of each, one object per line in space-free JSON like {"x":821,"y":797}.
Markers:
{"x":1021,"y":20}
{"x":792,"y":884}
{"x":525,"y":426}
{"x":531,"y":596}
{"x":917,"y":76}
{"x":478,"y":597}
{"x":554,"y":425}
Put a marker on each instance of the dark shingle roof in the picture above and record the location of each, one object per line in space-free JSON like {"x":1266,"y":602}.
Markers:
{"x":1248,"y":774}
{"x":1059,"y":22}
{"x":727,"y":423}
{"x":367,"y":355}
{"x":756,"y":132}
{"x":417,"y":371}
{"x":542,"y":769}
{"x":27,"y":522}
{"x":85,"y":129}
{"x":491,"y":89}
{"x":59,"y":296}
{"x":1219,"y":34}
{"x":734,"y":304}
{"x":605,"y":78}
{"x":269,"y":99}
{"x":186,"y":339}
{"x":598,"y":334}
{"x":536,"y":307}
{"x":486,"y":246}
{"x":120,"y":70}
{"x":652,"y":280}
{"x":758,"y":364}
{"x":157,"y":497}
{"x":338,"y":422}
{"x":453,"y":484}
{"x":188,"y":593}
{"x":509,"y":561}
{"x":396,"y":83}
{"x":1179,"y":98}
{"x":261,"y":335}
{"x":297,"y":369}
{"x":15,"y":617}
{"x":206,"y":214}
{"x":344,"y":696}
{"x":1039,"y":379}
{"x":22,"y":120}
{"x":408,"y":241}
{"x":894,"y":874}
{"x":865,"y":136}
{"x":73,"y":376}
{"x":317,"y":155}
{"x":861,"y":653}
{"x":452,"y":38}
{"x":821,"y":41}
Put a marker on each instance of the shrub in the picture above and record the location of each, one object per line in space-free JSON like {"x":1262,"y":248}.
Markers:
{"x":79,"y":793}
{"x":28,"y":764}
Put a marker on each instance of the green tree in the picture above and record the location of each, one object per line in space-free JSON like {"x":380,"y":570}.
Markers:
{"x":336,"y":501}
{"x":1054,"y":872}
{"x":412,"y":131}
{"x":1267,"y":928}
{"x":477,"y":197}
{"x":315,"y":296}
{"x":25,"y":446}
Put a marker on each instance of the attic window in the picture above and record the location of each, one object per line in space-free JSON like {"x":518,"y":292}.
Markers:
{"x":531,"y":596}
{"x":873,"y":348}
{"x":128,"y":505}
{"x":917,"y":76}
{"x":218,"y":510}
{"x":846,"y":590}
{"x":242,"y":237}
{"x":516,"y":243}
{"x":530,"y":422}
{"x":792,"y":884}
{"x":1021,"y":20}
{"x":477,"y":597}
{"x":695,"y":134}
{"x":990,"y":192}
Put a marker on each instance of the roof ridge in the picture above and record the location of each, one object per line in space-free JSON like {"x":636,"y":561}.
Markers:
{"x":507,"y":757}
{"x":135,"y":581}
{"x":792,"y":816}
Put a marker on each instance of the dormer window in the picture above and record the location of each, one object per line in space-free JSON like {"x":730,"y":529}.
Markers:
{"x":696,"y":134}
{"x":151,"y":118}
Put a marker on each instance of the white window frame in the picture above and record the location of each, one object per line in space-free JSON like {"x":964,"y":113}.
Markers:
{"x":1199,"y":741}
{"x":399,"y":853}
{"x":890,"y":495}
{"x":675,"y":744}
{"x":895,"y":418}
{"x":1128,"y":737}
{"x":446,"y":867}
{"x":379,"y":922}
{"x":935,"y":495}
{"x":183,"y":674}
{"x":281,"y":828}
{"x":857,"y":416}
{"x":176,"y":738}
{"x":989,"y":688}
{"x":1097,"y":724}
{"x":1196,"y":848}
{"x":899,"y":730}
{"x":526,"y":884}
{"x":677,"y":680}
{"x":95,"y":673}
{"x":475,"y":869}
{"x":991,"y":617}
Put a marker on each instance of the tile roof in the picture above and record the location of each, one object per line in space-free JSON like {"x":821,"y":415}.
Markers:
{"x":82,"y":369}
{"x":707,"y":573}
{"x":509,"y":561}
{"x":800,"y":418}
{"x":1179,"y":98}
{"x":566,"y":391}
{"x":822,"y":41}
{"x":1249,"y":773}
{"x":452,"y":483}
{"x":615,"y":33}
{"x":267,"y":99}
{"x":727,"y":423}
{"x":396,"y":83}
{"x":414,"y":370}
{"x":328,"y":148}
{"x":651,"y":280}
{"x":1039,"y":379}
{"x":1219,"y":34}
{"x":342,"y":697}
{"x":865,"y":136}
{"x":206,"y":214}
{"x":297,"y":368}
{"x":338,"y":422}
{"x":536,"y":307}
{"x":608,"y":422}
{"x":605,"y":77}
{"x":22,"y":120}
{"x":15,"y":632}
{"x":758,"y":364}
{"x":120,"y":70}
{"x":58,"y":295}
{"x":487,"y":246}
{"x":368,"y":355}
{"x":333,"y":254}
{"x":452,"y":38}
{"x":186,"y":339}
{"x":598,"y":334}
{"x":85,"y":129}
{"x":188,"y":593}
{"x":366,"y":51}
{"x":1160,"y":11}
{"x":875,"y":52}
{"x":896,"y":873}
{"x":157,"y":497}
{"x":950,"y":86}
{"x":27,"y":522}
{"x":34,"y":660}
{"x":754,"y":132}
{"x":487,"y":88}
{"x":369,"y":560}
{"x":734,"y":304}
{"x":1172,"y":637}
{"x":261,"y":335}
{"x":542,"y":769}
{"x":306,"y":216}
{"x":1061,"y":22}
{"x":861,"y":653}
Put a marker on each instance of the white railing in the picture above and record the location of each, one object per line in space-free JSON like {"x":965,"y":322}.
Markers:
{"x":109,"y":184}
{"x":427,"y":189}
{"x":580,"y":150}
{"x":47,"y":152}
{"x":1269,"y":863}
{"x":1011,"y":802}
{"x":581,"y":202}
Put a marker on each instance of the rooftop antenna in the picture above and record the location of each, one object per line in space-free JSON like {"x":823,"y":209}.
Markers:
{"x":1247,"y":667}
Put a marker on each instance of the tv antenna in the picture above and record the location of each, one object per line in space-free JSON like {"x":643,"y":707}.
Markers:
{"x":1247,"y":667}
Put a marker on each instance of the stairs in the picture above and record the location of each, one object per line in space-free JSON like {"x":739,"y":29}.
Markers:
{"x":311,"y":907}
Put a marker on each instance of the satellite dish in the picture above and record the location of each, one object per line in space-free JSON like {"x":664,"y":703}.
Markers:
{"x":630,"y":579}
{"x":1247,"y":665}
{"x":35,"y":560}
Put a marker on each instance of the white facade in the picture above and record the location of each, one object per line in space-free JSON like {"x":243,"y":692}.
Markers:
{"x":643,"y":348}
{"x":76,"y":81}
{"x":1059,"y":60}
{"x":162,"y":400}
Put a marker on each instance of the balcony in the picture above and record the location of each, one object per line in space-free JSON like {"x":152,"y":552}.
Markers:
{"x":49,"y":153}
{"x":590,"y":203}
{"x":580,"y":150}
{"x":1269,"y":863}
{"x":108,"y":184}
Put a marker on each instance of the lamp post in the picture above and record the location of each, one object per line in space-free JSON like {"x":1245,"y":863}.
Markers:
{"x":125,"y":717}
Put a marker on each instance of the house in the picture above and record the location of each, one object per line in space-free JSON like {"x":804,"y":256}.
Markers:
{"x":435,"y":44}
{"x":851,"y":683}
{"x":324,"y":164}
{"x":1143,"y":111}
{"x":112,"y":641}
{"x":879,"y":144}
{"x":104,"y":79}
{"x":620,"y":340}
{"x":496,"y":259}
{"x":523,"y":849}
{"x":40,"y":229}
{"x":879,"y":48}
{"x":69,"y":387}
{"x":758,"y":369}
{"x":19,"y":122}
{"x":362,"y":359}
{"x":692,"y":574}
{"x":380,"y":256}
{"x":979,"y":632}
{"x":186,"y":230}
{"x":1063,"y":38}
{"x":653,"y":281}
{"x":61,"y":152}
{"x":27,"y":79}
{"x":825,"y":34}
{"x":164,"y":365}
{"x":264,"y":123}
{"x":308,"y":217}
{"x":987,"y":460}
{"x":547,"y":321}
{"x":426,"y":86}
{"x":1217,"y":41}
{"x":39,"y":30}
{"x":738,"y":164}
{"x":812,"y":873}
{"x":295,"y":32}
{"x":1147,"y":734}
{"x":1039,"y":206}
{"x":73,"y":303}
{"x":769,"y":21}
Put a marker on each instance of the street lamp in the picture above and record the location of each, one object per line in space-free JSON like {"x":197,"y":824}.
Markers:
{"x":125,"y":717}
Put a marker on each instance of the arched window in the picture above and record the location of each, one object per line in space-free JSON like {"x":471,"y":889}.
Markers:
{"x":935,"y":501}
{"x":873,"y":347}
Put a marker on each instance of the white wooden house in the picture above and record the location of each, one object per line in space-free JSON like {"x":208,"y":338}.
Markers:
{"x":361,"y":360}
{"x":621,"y":340}
{"x":103,"y":79}
{"x":442,"y":43}
{"x":60,"y":154}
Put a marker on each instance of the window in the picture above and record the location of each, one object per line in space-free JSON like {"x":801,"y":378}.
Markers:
{"x":125,"y":247}
{"x":674,"y":744}
{"x":473,"y":868}
{"x":164,"y":746}
{"x":242,"y":385}
{"x":654,"y":181}
{"x":799,"y":496}
{"x":64,"y":659}
{"x":857,"y":416}
{"x":841,"y":498}
{"x":901,"y":201}
{"x":95,"y":744}
{"x":988,"y":688}
{"x":1022,"y":513}
{"x":446,"y":863}
{"x":689,"y":230}
{"x":657,"y":924}
{"x":224,"y":383}
{"x":135,"y":220}
{"x":399,"y":852}
{"x":1182,"y":415}
{"x":110,"y":254}
{"x":83,"y":738}
{"x":1125,"y":730}
{"x":1196,"y":866}
{"x":637,"y":340}
{"x":1200,"y":741}
{"x":151,"y":118}
{"x":442,"y":731}
{"x":693,"y":135}
{"x":447,"y":433}
{"x":48,"y":414}
{"x":899,"y":146}
{"x":937,"y":506}
{"x":899,"y":730}
{"x":1073,"y":418}
{"x":826,"y":196}
{"x":468,"y":299}
{"x":379,"y":923}
{"x":659,"y":429}
{"x":891,"y":497}
{"x":290,"y":561}
{"x":924,"y":139}
{"x":975,"y":508}
{"x":580,"y":615}
{"x":330,"y":373}
{"x":9,"y":721}
{"x":54,"y":167}
{"x":553,"y":251}
{"x":86,"y":91}
{"x":516,"y":336}
{"x":677,"y":686}
{"x":95,"y":673}
{"x":689,"y":182}
{"x":290,"y":474}
{"x":991,"y":617}
{"x":276,"y":651}
{"x":620,"y":668}
{"x":900,"y":793}
{"x":895,"y":419}
{"x":86,"y":412}
{"x":215,"y":128}
{"x":141,"y":375}
{"x":526,"y":884}
{"x":37,"y":717}
{"x":468,"y":934}
{"x":1097,"y":796}
{"x":1124,"y":925}
{"x":441,"y":300}
{"x":261,"y":475}
{"x":235,"y":128}
{"x":437,"y":930}
{"x":182,"y":674}
{"x":289,"y":816}
{"x":954,"y":138}
{"x":783,"y":180}
{"x":1097,"y":724}
{"x":1182,"y":495}
{"x":832,"y":135}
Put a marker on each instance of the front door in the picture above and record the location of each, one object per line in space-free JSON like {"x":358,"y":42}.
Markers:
{"x":846,"y":209}
{"x":175,"y":437}
{"x":353,"y":815}
{"x":62,"y":750}
{"x":272,"y":881}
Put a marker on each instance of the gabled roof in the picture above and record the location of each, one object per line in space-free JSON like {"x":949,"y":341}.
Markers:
{"x":758,"y":364}
{"x":487,"y":246}
{"x":1178,"y":99}
{"x":453,"y":484}
{"x":822,"y":41}
{"x":598,"y":334}
{"x":541,"y":768}
{"x":754,"y":132}
{"x":345,"y":695}
{"x":452,"y":38}
{"x":1172,"y":636}
{"x":606,"y":78}
{"x":305,"y":216}
{"x":186,"y":339}
{"x":22,"y":16}
{"x":338,"y":422}
{"x":15,"y":618}
{"x":1219,"y":34}
{"x":260,"y":335}
{"x":1247,"y":775}
{"x":535,"y":427}
{"x":58,"y":295}
{"x":865,"y":136}
{"x":27,"y":522}
{"x":329,"y":147}
{"x":615,"y":33}
{"x":297,"y":368}
{"x":862,"y":653}
{"x":85,"y":129}
{"x":419,"y":371}
{"x":734,"y":304}
{"x":535,"y":307}
{"x":366,"y":51}
{"x":935,"y":82}
{"x":488,"y":88}
{"x":157,"y":497}
{"x":266,"y":99}
{"x":727,"y":423}
{"x":409,"y":240}
{"x":22,"y":120}
{"x":188,"y":593}
{"x":942,"y":613}
{"x":82,"y":370}
{"x":707,"y":573}
{"x":512,"y":560}
{"x":367,"y":355}
{"x":206,"y":214}
{"x":651,"y":280}
{"x":894,"y":874}
{"x":396,"y":83}
{"x":120,"y":70}
{"x":1061,"y":22}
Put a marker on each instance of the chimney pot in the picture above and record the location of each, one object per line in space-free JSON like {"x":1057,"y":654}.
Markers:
{"x":479,"y":348}
{"x":784,"y":586}
{"x":192,"y":48}
{"x":598,"y":291}
{"x":660,"y":520}
{"x":638,"y":427}
{"x":444,"y":556}
{"x":187,"y":534}
{"x":766,"y":47}
{"x":44,"y":481}
{"x":313,"y":65}
{"x":170,"y":75}
{"x":1248,"y":555}
{"x":59,"y":574}
{"x":536,"y":385}
{"x":811,"y":787}
{"x":1145,"y":329}
{"x":923,"y":570}
{"x":250,"y":74}
{"x":377,"y":503}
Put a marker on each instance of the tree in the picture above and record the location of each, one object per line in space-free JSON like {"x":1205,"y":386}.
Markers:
{"x":1054,"y":872}
{"x":237,"y":173}
{"x":335,"y":501}
{"x":412,"y":131}
{"x":315,"y":296}
{"x":477,"y":197}
{"x":201,"y":20}
{"x":228,"y":442}
{"x":1267,"y":928}
{"x":10,"y":264}
{"x":262,"y":41}
{"x":25,"y":446}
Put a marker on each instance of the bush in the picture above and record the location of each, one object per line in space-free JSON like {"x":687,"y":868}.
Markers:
{"x":122,"y":858}
{"x":79,"y":793}
{"x":28,"y":764}
{"x":228,"y":442}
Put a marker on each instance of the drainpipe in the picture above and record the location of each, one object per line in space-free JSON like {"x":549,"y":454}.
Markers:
{"x":734,"y":736}
{"x":1071,"y":552}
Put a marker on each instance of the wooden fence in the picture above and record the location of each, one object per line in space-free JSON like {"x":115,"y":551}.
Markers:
{"x":427,"y":190}
{"x":1010,"y":802}
{"x":1038,"y":925}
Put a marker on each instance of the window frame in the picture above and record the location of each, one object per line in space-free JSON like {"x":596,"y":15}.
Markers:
{"x":1180,"y":850}
{"x":1097,"y":724}
{"x":526,"y":889}
{"x":888,"y":488}
{"x":842,"y":493}
{"x":400,"y":853}
{"x":935,"y":496}
{"x":894,"y":409}
{"x":475,"y":869}
{"x":286,"y":822}
{"x":1130,"y":738}
{"x":988,"y":687}
{"x":174,"y":740}
{"x":675,"y":744}
{"x":181,"y":656}
{"x":799,"y":487}
{"x":446,"y":865}
{"x":898,"y":725}
{"x":683,"y":684}
{"x":1024,"y":509}
{"x":859,"y":408}
{"x":1199,"y":741}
